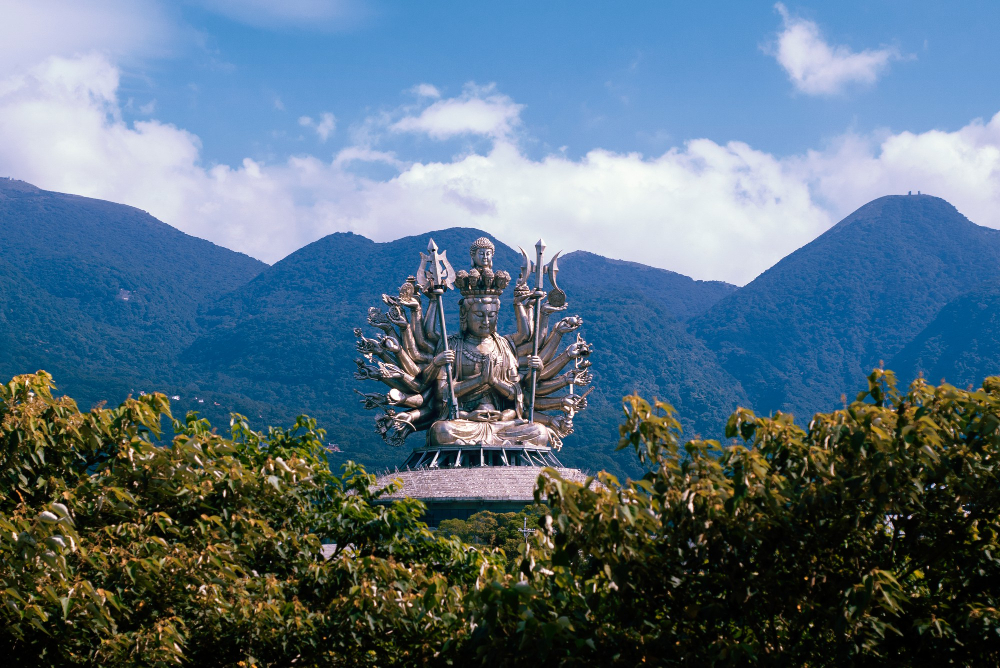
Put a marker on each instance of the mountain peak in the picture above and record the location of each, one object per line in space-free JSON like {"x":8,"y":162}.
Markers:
{"x":898,"y":212}
{"x":11,"y":185}
{"x":820,"y":319}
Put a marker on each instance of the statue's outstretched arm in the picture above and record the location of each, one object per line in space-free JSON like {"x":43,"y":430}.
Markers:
{"x":431,"y":323}
{"x":424,"y":348}
{"x":390,"y":374}
{"x":397,"y":398}
{"x":554,"y":338}
{"x":398,"y":318}
{"x":547,"y":310}
{"x":561,"y":424}
{"x":416,"y":416}
{"x":578,"y":349}
{"x":565,"y":403}
{"x":399,"y":356}
{"x":394,"y":383}
{"x":522,"y":316}
{"x":578,"y":377}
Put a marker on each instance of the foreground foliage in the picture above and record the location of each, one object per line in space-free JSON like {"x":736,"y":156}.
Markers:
{"x":497,"y":530}
{"x":871,"y":538}
{"x":114,"y":551}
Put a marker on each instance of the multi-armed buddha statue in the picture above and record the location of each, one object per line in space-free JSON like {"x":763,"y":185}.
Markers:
{"x":483,"y":399}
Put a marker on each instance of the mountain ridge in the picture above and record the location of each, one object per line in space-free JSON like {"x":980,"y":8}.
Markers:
{"x":113,"y":302}
{"x":118,"y":287}
{"x":813,"y":325}
{"x":295,"y":320}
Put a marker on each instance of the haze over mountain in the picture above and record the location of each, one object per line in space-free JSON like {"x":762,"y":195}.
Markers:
{"x":112,"y":301}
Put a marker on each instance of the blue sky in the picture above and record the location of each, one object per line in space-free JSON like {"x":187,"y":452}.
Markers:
{"x":707,"y":138}
{"x":636,"y":76}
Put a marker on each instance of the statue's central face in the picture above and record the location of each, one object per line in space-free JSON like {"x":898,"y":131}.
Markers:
{"x":481,"y":319}
{"x":483,"y":258}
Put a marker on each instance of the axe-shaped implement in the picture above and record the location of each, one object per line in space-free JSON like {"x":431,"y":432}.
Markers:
{"x":435,"y":281}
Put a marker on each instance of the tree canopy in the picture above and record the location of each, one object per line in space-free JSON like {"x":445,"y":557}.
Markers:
{"x":869,"y":537}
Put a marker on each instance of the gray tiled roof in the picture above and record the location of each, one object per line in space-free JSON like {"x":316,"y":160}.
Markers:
{"x":486,"y":483}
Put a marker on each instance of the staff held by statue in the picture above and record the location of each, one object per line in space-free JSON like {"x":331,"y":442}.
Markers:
{"x":441,"y":277}
{"x":556,"y":297}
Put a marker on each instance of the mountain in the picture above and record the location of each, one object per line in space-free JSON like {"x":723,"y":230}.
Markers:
{"x":285,"y":338}
{"x":102,"y":295}
{"x":112,"y":301}
{"x":811,"y":327}
{"x":681,"y":296}
{"x":961,"y":345}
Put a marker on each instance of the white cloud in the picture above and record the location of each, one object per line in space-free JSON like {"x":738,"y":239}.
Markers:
{"x":704,"y":209}
{"x":327,"y":124}
{"x":324,"y":128}
{"x":480,"y":110}
{"x":962,"y":167}
{"x":817,"y":68}
{"x":31,"y":30}
{"x":426,"y":90}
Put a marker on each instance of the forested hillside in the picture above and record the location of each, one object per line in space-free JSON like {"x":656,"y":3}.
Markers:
{"x":100,"y":294}
{"x":961,"y":345}
{"x":112,"y":301}
{"x":285,"y":338}
{"x":818,"y":321}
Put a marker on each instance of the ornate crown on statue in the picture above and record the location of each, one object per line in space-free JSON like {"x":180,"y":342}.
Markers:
{"x":476,"y":282}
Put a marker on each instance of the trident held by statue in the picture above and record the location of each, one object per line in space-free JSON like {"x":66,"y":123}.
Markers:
{"x":436,"y":281}
{"x":556,"y":297}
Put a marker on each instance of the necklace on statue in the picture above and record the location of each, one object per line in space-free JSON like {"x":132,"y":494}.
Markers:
{"x":478,"y":357}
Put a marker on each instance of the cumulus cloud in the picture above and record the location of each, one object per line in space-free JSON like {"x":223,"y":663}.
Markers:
{"x":479,"y":110}
{"x":962,"y":167}
{"x":709,"y":210}
{"x":426,"y":90}
{"x":817,"y":68}
{"x":31,"y":30}
{"x":324,"y":127}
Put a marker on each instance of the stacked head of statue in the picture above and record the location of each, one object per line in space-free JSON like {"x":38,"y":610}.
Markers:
{"x":482,"y":251}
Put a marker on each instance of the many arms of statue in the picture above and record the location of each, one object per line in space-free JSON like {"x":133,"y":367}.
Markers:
{"x":417,"y":322}
{"x":565,"y":403}
{"x":546,"y":336}
{"x":407,"y":332}
{"x":578,"y":377}
{"x":524,"y":317}
{"x":553,"y":367}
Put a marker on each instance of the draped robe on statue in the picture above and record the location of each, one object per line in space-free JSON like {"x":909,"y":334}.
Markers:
{"x":486,"y":416}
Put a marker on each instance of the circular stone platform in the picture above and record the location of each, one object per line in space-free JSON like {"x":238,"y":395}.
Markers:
{"x":462,"y":492}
